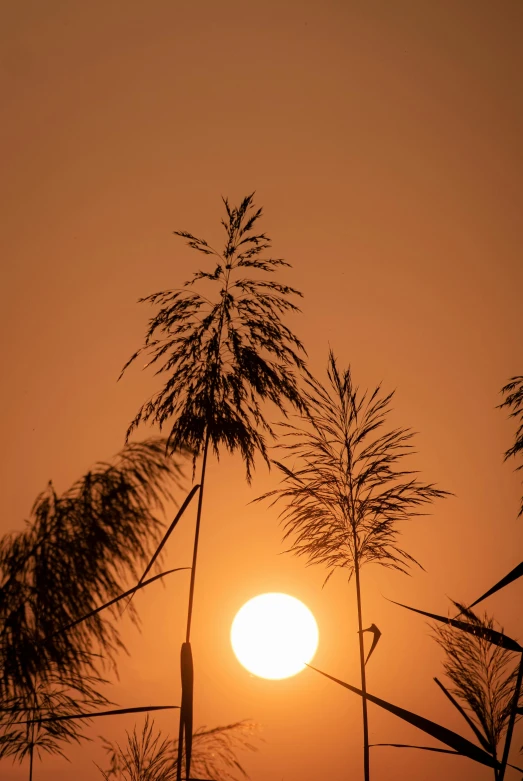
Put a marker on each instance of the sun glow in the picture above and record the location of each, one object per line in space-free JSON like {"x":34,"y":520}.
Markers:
{"x":274,"y":636}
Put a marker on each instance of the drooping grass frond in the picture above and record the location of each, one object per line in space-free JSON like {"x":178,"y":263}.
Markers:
{"x":150,"y":756}
{"x":513,"y":392}
{"x":76,"y":552}
{"x":345,"y":491}
{"x":483,"y":674}
{"x":59,"y":696}
{"x":225,"y":350}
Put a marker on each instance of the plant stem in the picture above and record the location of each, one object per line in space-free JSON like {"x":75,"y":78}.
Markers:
{"x":191,"y":590}
{"x":511,"y":721}
{"x":180,"y":750}
{"x":366,"y":768}
{"x":196,"y":539}
{"x":31,"y":763}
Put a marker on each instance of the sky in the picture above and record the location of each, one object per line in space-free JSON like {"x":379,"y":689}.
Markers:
{"x":383,"y":140}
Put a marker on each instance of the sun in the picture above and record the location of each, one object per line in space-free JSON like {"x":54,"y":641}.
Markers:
{"x":274,"y":636}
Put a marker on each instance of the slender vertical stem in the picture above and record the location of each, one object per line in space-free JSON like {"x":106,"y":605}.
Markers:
{"x":180,"y":750}
{"x":31,"y":762}
{"x":196,"y":539}
{"x":191,"y":592}
{"x":366,"y":768}
{"x":511,"y":721}
{"x":496,"y":769}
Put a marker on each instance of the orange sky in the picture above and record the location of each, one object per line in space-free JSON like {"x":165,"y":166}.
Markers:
{"x":384,"y":142}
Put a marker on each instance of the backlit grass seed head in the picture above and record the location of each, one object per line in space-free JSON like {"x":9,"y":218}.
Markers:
{"x":222,"y":347}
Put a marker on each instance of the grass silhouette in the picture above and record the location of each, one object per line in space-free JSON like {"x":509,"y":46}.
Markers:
{"x":222,"y":345}
{"x":346,"y":491}
{"x":78,"y":549}
{"x":149,"y":756}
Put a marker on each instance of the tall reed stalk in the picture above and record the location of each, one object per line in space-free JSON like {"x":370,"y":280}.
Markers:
{"x":345,"y":493}
{"x":224,"y":351}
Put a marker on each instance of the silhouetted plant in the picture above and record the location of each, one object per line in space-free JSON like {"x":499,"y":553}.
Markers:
{"x":483,"y":677}
{"x":224,"y":351}
{"x":151,"y":757}
{"x":345,"y":493}
{"x":38,"y":722}
{"x":471,"y":664}
{"x":77,"y":549}
{"x":513,"y":392}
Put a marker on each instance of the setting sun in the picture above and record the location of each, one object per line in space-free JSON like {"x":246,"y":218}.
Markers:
{"x":274,"y":636}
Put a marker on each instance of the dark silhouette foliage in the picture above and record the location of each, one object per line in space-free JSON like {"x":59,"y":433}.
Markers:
{"x":77,"y":550}
{"x":150,"y":756}
{"x":223,"y":349}
{"x":513,"y":392}
{"x":483,"y":675}
{"x":346,"y":492}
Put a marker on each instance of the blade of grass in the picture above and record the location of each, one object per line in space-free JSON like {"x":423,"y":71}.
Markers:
{"x":444,"y":735}
{"x":117,"y":599}
{"x":376,"y":634}
{"x":117,"y":712}
{"x":423,"y":748}
{"x":513,"y":575}
{"x":496,"y":638}
{"x":465,"y":715}
{"x":429,"y":748}
{"x":166,"y":536}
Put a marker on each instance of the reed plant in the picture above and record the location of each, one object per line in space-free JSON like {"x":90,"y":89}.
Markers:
{"x":345,"y":491}
{"x":483,"y":678}
{"x":224,"y":351}
{"x":76,"y":551}
{"x":149,"y":756}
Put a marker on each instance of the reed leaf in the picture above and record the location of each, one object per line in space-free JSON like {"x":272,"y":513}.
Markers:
{"x":513,"y":575}
{"x":423,"y":748}
{"x":376,"y":634}
{"x":457,"y":742}
{"x":166,"y":536}
{"x":128,"y":593}
{"x":93,"y":715}
{"x":477,"y":629}
{"x":430,"y":748}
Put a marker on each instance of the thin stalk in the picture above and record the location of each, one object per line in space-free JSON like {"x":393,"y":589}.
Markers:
{"x":31,"y":731}
{"x":366,"y":768}
{"x":191,"y":590}
{"x":196,"y":539}
{"x":511,"y":721}
{"x":180,"y":750}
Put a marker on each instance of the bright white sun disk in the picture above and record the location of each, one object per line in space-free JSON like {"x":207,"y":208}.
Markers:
{"x":274,"y":636}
